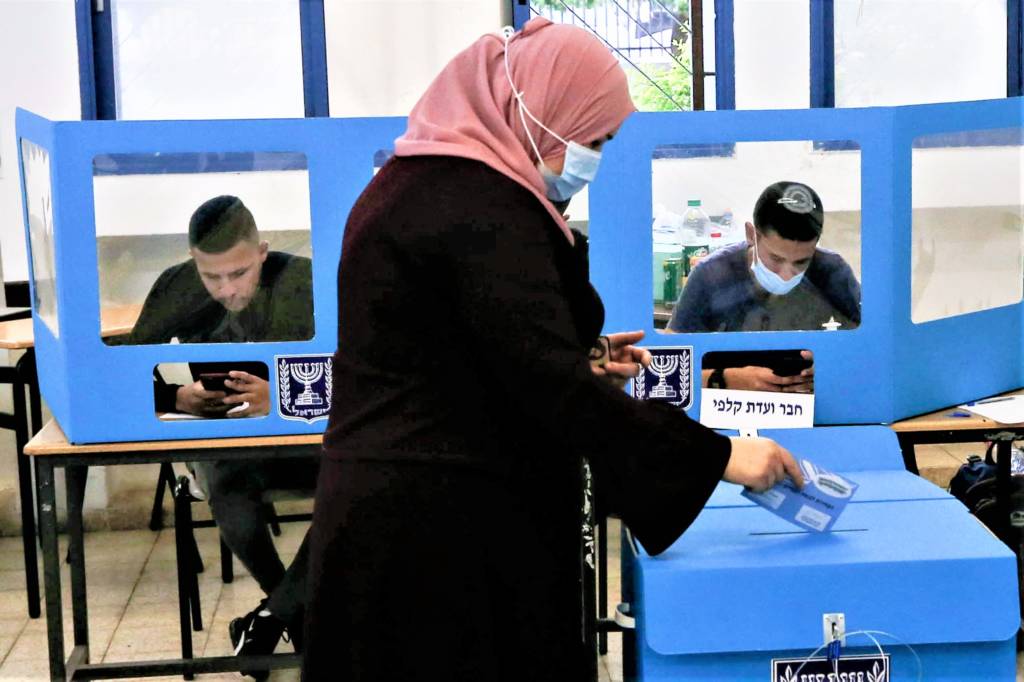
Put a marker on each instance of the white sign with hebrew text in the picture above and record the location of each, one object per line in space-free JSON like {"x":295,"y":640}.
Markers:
{"x":723,"y":408}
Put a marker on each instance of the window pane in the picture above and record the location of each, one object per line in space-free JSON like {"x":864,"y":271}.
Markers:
{"x":39,"y":202}
{"x":891,"y":52}
{"x":207,"y":59}
{"x":203,"y":248}
{"x":651,"y":39}
{"x":968,"y":223}
{"x":772,"y":44}
{"x":704,"y":197}
{"x":368,"y":76}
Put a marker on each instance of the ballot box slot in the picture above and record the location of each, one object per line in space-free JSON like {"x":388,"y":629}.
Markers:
{"x":807,"y":532}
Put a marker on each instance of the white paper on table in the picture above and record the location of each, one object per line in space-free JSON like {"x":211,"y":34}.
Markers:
{"x":178,"y":416}
{"x":1006,"y":410}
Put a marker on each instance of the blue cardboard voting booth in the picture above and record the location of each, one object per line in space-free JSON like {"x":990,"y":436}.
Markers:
{"x":104,"y":393}
{"x":742,"y":588}
{"x":887,"y":368}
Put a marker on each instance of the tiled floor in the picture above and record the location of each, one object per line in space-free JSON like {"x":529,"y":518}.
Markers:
{"x":132,"y":594}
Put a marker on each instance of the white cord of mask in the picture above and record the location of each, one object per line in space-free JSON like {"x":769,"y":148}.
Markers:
{"x":870,"y":635}
{"x":507,"y":34}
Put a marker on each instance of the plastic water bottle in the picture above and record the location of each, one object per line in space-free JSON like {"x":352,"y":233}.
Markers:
{"x":695,"y":220}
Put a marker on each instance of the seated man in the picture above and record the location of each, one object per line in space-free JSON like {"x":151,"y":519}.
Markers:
{"x":779,"y":279}
{"x":234,"y":290}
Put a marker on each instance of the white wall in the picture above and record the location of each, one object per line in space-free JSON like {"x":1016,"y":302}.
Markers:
{"x":382,"y":54}
{"x":163,"y":204}
{"x":735,"y":182}
{"x":39,"y":53}
{"x":772,"y":49}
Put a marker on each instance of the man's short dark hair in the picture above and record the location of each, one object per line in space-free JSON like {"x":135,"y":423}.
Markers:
{"x":792,"y":209}
{"x":219,"y":224}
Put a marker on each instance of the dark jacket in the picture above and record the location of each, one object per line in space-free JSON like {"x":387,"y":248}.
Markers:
{"x":448,"y":513}
{"x":178,"y":306}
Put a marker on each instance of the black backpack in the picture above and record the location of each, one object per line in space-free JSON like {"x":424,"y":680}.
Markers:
{"x":975,"y":486}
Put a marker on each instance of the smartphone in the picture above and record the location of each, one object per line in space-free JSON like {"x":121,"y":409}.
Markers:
{"x":783,"y":363}
{"x":214,"y":381}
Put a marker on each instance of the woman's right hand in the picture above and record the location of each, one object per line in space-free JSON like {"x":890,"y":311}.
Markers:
{"x":760,"y":463}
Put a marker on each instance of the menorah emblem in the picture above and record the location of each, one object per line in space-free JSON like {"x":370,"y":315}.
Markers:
{"x":307,"y":373}
{"x":663,"y":366}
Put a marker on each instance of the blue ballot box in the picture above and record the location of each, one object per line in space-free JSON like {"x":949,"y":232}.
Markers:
{"x":743,"y":589}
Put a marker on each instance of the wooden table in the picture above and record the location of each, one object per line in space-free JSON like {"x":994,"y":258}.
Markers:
{"x":50,"y":449}
{"x":18,"y":334}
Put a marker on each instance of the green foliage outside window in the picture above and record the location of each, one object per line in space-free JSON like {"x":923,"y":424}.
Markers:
{"x":673,"y":79}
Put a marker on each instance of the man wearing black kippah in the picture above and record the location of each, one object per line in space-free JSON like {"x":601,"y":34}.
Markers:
{"x":234,"y":289}
{"x":778,"y":279}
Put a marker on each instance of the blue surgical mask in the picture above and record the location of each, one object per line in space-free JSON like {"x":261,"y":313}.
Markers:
{"x":580,"y":167}
{"x":770,"y":281}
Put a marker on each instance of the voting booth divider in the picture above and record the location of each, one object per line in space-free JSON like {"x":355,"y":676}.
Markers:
{"x":888,"y":367}
{"x":101,"y":392}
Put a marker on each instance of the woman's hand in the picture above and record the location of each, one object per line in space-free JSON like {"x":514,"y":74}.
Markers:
{"x":760,"y":463}
{"x":616,"y":358}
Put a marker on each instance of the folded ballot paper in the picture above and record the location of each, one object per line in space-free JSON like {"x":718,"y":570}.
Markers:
{"x":816,"y":506}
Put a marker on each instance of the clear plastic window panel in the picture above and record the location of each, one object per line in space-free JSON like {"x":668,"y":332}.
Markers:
{"x":204,"y":248}
{"x":892,"y":52}
{"x":703,"y":237}
{"x":191,"y":59}
{"x":968,"y":223}
{"x":39,"y":205}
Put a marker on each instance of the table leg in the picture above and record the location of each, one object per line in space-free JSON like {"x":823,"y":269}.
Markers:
{"x":906,"y":441}
{"x":27,"y":368}
{"x":602,"y":585}
{"x":75,"y":481}
{"x":51,"y":569}
{"x":28,"y":511}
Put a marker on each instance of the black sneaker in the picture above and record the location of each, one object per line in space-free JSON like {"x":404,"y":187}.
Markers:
{"x":256,"y":634}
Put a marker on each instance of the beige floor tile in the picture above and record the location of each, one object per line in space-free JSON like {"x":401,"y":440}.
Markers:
{"x":165,"y":592}
{"x":14,"y":603}
{"x":961,"y":451}
{"x":244,"y":593}
{"x":25,"y":670}
{"x":162,"y":641}
{"x":286,"y":675}
{"x":6,"y":643}
{"x":14,"y":626}
{"x":934,"y":455}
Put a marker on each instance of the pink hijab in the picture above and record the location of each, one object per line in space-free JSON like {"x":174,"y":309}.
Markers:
{"x":570,"y":81}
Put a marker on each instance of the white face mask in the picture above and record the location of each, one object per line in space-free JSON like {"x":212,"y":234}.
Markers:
{"x":770,"y":281}
{"x":580,"y":166}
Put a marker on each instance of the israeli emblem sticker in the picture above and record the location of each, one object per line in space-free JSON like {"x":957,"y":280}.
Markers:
{"x":669,"y":378}
{"x":871,"y":668}
{"x":304,"y":386}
